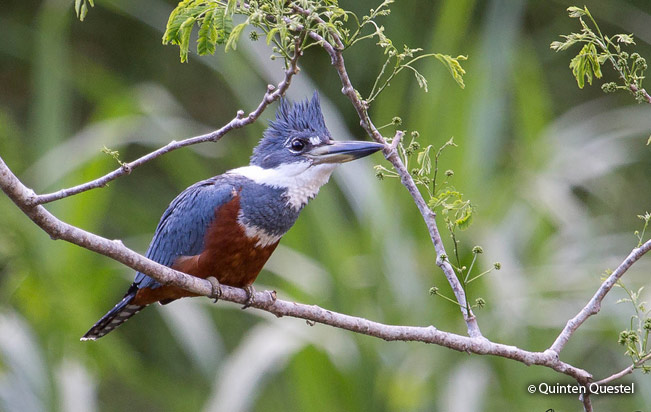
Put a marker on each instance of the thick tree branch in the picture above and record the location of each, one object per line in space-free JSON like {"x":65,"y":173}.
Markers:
{"x":594,"y":305}
{"x":479,"y":345}
{"x":587,"y":403}
{"x":272,"y":94}
{"x":23,"y":197}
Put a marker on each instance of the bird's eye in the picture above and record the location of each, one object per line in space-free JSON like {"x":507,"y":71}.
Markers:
{"x":297,"y":145}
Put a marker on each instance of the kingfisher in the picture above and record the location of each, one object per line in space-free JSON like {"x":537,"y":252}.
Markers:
{"x":227,"y":227}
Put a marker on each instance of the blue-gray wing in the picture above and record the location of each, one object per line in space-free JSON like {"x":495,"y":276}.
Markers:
{"x":183,"y":226}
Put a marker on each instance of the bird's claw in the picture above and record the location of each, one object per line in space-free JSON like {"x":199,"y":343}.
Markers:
{"x":216,"y":288}
{"x":250,"y":296}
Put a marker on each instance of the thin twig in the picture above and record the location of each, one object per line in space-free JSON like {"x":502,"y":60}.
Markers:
{"x":272,"y":94}
{"x":594,"y":305}
{"x":624,"y":372}
{"x":396,"y":140}
{"x":429,"y":216}
{"x":646,"y":95}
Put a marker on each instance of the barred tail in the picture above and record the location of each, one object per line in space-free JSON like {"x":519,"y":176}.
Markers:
{"x":115,"y":317}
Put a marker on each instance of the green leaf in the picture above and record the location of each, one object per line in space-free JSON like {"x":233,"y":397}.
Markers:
{"x":224,"y":25}
{"x":178,"y":16}
{"x":81,"y":8}
{"x":230,"y":8}
{"x":465,"y":219}
{"x":184,"y":37}
{"x":235,"y":34}
{"x":271,"y":35}
{"x":624,"y":38}
{"x":113,"y":153}
{"x":454,"y":67}
{"x":464,"y":222}
{"x":422,"y":155}
{"x":83,"y":12}
{"x":570,"y":40}
{"x":422,"y":81}
{"x":585,"y":65}
{"x":595,"y":62}
{"x":576,"y":12}
{"x":207,"y":38}
{"x":424,"y":160}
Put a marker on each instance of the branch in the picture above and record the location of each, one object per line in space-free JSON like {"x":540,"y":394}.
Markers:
{"x":625,"y":371}
{"x":587,"y":403}
{"x":396,"y":140}
{"x":478,"y":345}
{"x":23,"y":197}
{"x":391,"y":154}
{"x":644,"y":93}
{"x":272,"y":94}
{"x":31,"y":205}
{"x":585,"y":398}
{"x":594,"y":305}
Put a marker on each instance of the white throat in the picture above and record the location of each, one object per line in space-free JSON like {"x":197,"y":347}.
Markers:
{"x":301,"y":180}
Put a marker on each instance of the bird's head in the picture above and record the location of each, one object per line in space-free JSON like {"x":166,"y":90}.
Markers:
{"x":297,"y":152}
{"x":298,"y":138}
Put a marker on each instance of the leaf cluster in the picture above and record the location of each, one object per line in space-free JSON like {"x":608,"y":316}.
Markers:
{"x":114,"y":154}
{"x":456,"y":211}
{"x":281,"y":22}
{"x":81,"y":8}
{"x":636,"y":338}
{"x":465,"y":275}
{"x":398,"y":61}
{"x":214,"y":20}
{"x":597,"y":50}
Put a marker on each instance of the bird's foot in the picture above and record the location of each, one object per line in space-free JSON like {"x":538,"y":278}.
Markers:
{"x":216,"y":288}
{"x":250,"y":296}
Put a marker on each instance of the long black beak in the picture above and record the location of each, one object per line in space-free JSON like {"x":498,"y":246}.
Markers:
{"x":342,"y":152}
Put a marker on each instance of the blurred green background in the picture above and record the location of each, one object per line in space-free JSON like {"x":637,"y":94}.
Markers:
{"x":558,"y":175}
